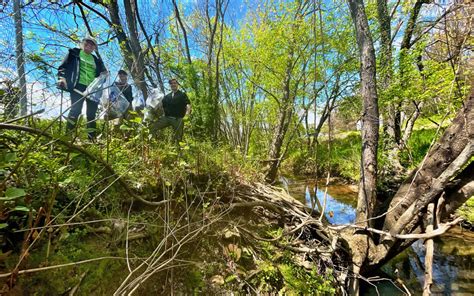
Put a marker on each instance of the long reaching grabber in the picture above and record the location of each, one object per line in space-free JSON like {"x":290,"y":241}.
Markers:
{"x":61,"y":114}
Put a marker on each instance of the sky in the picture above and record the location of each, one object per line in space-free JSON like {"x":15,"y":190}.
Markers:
{"x":42,"y":93}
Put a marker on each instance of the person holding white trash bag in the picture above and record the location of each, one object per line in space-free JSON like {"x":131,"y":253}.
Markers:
{"x":126,"y":90}
{"x":77,"y":71}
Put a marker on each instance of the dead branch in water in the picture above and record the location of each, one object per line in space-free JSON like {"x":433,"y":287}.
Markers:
{"x":429,"y":252}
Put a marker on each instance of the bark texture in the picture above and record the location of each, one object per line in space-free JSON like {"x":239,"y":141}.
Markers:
{"x":445,"y":178}
{"x":456,"y":139}
{"x":370,"y":135}
{"x":20,"y":56}
{"x":370,"y":117}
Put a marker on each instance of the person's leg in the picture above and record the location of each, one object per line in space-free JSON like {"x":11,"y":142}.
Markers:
{"x":76,"y":107}
{"x":11,"y":101}
{"x":159,"y":124}
{"x":127,"y":115}
{"x":91,"y":110}
{"x":125,"y":119}
{"x":178,"y":129}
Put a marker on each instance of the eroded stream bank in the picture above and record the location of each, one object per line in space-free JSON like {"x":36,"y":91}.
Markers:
{"x":454,"y":251}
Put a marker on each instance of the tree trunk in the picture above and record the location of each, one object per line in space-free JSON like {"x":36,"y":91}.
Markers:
{"x":130,"y":48}
{"x":386,"y":43}
{"x":442,"y":173}
{"x":183,"y":29}
{"x":458,"y":137}
{"x":370,"y":117}
{"x":156,"y":58}
{"x":138,"y":67}
{"x":213,"y":87}
{"x":286,"y":112}
{"x":370,"y":134}
{"x":194,"y":79}
{"x":394,"y":119}
{"x":393,"y":142}
{"x":20,"y":56}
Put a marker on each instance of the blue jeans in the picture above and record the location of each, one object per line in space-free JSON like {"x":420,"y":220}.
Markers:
{"x":77,"y":101}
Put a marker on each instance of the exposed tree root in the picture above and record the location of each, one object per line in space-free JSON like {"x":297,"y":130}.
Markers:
{"x":309,"y":237}
{"x":303,"y":234}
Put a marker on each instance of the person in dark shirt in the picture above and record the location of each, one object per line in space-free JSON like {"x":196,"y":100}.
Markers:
{"x":126,"y":90}
{"x":176,"y":105}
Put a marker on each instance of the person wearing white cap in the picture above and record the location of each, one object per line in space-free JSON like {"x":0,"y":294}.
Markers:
{"x":78,"y":69}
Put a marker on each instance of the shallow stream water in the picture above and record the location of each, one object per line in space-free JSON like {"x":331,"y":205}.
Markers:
{"x":453,"y":269}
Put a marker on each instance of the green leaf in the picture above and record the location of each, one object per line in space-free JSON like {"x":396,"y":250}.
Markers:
{"x":62,"y":169}
{"x":137,"y":120}
{"x":3,"y":225}
{"x":66,"y":181}
{"x":13,"y":193}
{"x":230,"y":278}
{"x":124,"y":127}
{"x":43,"y":176}
{"x":10,"y":157}
{"x":21,"y":209}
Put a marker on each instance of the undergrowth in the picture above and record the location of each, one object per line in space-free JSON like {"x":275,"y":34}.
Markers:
{"x":62,"y":206}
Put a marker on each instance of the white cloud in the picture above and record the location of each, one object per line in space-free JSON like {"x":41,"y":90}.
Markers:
{"x":41,"y":96}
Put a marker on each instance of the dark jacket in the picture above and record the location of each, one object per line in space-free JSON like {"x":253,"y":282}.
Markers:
{"x":69,"y":68}
{"x":175,"y":106}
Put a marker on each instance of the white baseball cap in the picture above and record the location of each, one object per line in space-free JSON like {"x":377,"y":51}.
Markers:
{"x":89,"y":38}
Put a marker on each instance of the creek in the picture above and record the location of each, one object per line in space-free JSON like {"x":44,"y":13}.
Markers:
{"x":453,"y":262}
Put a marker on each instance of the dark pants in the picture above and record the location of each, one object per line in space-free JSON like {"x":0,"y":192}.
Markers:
{"x":10,"y":99}
{"x":165,"y":121}
{"x":77,"y":101}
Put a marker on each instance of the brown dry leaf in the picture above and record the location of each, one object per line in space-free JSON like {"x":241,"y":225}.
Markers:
{"x":228,"y":233}
{"x":35,"y":234}
{"x":217,"y":280}
{"x":235,"y":251}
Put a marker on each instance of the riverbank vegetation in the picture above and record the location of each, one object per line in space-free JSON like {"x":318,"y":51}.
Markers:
{"x":377,"y":95}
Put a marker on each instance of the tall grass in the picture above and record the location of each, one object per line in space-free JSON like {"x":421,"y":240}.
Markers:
{"x":417,"y":147}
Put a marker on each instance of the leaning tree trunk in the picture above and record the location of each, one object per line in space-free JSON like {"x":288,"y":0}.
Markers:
{"x":284,"y":118}
{"x":446,"y":173}
{"x":277,"y":143}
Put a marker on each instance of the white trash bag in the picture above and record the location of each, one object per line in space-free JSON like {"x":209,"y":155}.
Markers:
{"x":114,"y":103}
{"x":154,"y":105}
{"x":155,"y":98}
{"x":94,"y":89}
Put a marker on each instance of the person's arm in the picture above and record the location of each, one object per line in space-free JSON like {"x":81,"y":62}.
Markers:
{"x":62,"y":71}
{"x":188,"y":104}
{"x":164,"y":102}
{"x":129,"y":94}
{"x":100,"y":65}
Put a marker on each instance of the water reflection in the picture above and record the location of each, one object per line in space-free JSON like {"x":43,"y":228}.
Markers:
{"x":452,"y":260}
{"x":336,"y":212}
{"x":452,"y":272}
